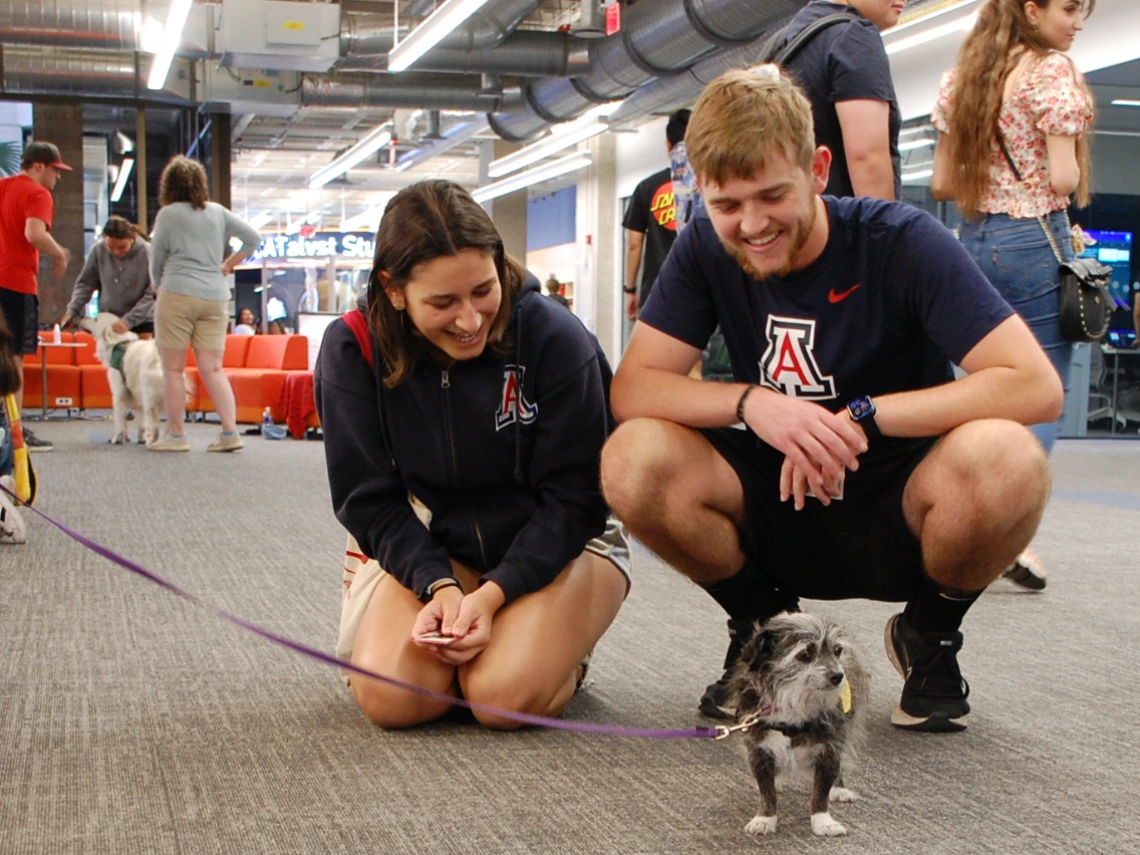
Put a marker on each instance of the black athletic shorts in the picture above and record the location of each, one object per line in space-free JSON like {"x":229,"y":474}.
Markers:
{"x":22,"y":314}
{"x":858,"y":546}
{"x":144,"y":328}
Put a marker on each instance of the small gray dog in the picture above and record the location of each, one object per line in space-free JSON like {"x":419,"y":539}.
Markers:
{"x":803,"y":694}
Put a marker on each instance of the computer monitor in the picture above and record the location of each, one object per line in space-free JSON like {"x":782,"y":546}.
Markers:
{"x":1115,"y":250}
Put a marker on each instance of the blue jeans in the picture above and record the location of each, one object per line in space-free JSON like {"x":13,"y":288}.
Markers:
{"x":1016,"y":257}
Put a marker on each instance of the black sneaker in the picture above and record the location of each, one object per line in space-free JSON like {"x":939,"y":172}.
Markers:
{"x":1026,"y":572}
{"x":34,"y":443}
{"x":934,"y":694}
{"x":714,"y":702}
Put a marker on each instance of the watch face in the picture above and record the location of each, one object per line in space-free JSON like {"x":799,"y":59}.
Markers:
{"x":860,"y":408}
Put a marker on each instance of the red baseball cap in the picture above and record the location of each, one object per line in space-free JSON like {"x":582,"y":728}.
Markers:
{"x":42,"y":152}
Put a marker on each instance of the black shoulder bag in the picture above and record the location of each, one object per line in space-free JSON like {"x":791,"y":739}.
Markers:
{"x":1086,"y":305}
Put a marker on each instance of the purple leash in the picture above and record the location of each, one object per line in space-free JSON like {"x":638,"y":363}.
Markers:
{"x":313,"y":653}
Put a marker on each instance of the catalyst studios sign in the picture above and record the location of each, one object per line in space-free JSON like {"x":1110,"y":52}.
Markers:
{"x":318,"y":245}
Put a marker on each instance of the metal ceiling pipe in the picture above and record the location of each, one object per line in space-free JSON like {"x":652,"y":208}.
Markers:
{"x":83,"y":73}
{"x":103,"y":24}
{"x":372,"y":34}
{"x":402,"y":90}
{"x":658,"y":38}
{"x":526,"y":53}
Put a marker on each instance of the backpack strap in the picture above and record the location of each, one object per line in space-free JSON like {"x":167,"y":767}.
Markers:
{"x":783,"y":55}
{"x":359,"y":326}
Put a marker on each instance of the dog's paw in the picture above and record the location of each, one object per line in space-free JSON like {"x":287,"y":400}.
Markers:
{"x":822,"y":825}
{"x":842,"y":795}
{"x":119,"y":439}
{"x":766,"y":825}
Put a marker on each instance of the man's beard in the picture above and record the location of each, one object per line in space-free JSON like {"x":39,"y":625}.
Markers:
{"x":796,"y":241}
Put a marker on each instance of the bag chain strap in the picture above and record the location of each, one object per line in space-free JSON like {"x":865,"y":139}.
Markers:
{"x":1052,"y":240}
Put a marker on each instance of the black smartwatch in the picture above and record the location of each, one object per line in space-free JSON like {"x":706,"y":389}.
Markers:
{"x":862,"y":412}
{"x":438,"y":584}
{"x":630,"y":290}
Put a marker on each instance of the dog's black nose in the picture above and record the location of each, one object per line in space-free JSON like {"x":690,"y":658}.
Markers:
{"x":836,"y":677}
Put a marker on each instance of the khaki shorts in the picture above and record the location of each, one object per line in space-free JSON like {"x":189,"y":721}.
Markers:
{"x":362,"y":575}
{"x":181,"y":321}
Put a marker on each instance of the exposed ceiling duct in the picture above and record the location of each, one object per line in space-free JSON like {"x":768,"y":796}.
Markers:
{"x":103,"y":24}
{"x":658,"y":38}
{"x":80,"y":73}
{"x":371,"y":34}
{"x":431,"y":92}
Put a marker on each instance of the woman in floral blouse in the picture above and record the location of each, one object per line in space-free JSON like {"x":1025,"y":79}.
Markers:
{"x":1013,"y":84}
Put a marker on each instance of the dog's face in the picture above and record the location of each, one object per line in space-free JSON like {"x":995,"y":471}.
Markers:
{"x":793,"y":662}
{"x":101,"y":327}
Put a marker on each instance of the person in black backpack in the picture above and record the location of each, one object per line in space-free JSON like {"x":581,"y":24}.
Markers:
{"x":845,"y":74}
{"x":463,"y":423}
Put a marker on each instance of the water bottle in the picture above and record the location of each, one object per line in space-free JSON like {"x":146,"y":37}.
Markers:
{"x":266,"y":419}
{"x":55,"y":335}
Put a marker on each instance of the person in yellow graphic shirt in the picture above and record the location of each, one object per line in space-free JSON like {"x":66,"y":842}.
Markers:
{"x":651,"y":223}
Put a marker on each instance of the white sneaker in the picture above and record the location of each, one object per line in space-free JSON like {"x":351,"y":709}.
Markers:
{"x":11,"y":523}
{"x":226,"y":442}
{"x":170,"y":443}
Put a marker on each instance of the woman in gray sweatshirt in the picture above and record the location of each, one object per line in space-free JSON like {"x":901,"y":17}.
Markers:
{"x":189,"y":270}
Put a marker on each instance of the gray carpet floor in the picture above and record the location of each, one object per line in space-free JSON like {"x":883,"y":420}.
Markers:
{"x":132,"y":721}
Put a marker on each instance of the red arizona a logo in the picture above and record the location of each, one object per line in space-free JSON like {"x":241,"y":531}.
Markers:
{"x":514,"y":406}
{"x":788,"y":364}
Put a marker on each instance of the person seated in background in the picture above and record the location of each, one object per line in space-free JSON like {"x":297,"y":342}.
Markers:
{"x":118,"y":267}
{"x":462,"y":435}
{"x":553,"y":291}
{"x":246,"y":324}
{"x":862,"y":469}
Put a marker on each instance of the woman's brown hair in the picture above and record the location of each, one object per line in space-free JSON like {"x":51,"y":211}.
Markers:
{"x":985,"y":61}
{"x":183,"y":180}
{"x":429,"y":220}
{"x":121,"y":228}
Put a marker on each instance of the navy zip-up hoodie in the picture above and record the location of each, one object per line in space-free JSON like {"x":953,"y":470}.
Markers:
{"x":512,"y":481}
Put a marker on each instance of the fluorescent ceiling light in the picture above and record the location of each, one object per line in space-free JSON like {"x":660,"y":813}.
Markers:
{"x":911,"y":145}
{"x":927,"y":28}
{"x":261,"y":219}
{"x":171,"y":39}
{"x":427,"y":35}
{"x":151,"y":38}
{"x":531,"y":176}
{"x":1125,"y":102}
{"x":375,"y":140}
{"x":544,"y":148}
{"x":915,"y":176}
{"x":370,"y":220}
{"x":121,"y":179}
{"x":453,"y":136}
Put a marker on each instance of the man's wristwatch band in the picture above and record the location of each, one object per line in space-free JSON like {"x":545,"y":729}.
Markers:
{"x":630,"y":290}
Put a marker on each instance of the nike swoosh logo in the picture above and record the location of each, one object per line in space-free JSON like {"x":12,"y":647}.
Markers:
{"x":832,"y":297}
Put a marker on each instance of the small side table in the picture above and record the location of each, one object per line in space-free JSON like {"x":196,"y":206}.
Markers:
{"x":43,"y":372}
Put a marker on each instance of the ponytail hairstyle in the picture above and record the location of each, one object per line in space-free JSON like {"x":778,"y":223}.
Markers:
{"x":429,"y":220}
{"x":120,"y":228}
{"x":985,"y":61}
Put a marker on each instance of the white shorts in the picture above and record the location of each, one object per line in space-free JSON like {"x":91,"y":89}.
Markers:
{"x":362,"y":575}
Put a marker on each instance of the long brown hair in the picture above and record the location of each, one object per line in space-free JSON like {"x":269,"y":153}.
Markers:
{"x":985,"y":61}
{"x":121,"y":228}
{"x":183,"y":180}
{"x":425,"y":221}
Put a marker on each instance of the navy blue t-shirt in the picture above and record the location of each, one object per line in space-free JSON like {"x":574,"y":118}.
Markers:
{"x":890,"y":302}
{"x":846,"y":62}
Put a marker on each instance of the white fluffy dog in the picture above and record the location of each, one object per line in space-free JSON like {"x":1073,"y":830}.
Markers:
{"x":135,"y":375}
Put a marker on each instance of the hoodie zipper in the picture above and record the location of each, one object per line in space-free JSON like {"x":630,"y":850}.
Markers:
{"x":445,"y":385}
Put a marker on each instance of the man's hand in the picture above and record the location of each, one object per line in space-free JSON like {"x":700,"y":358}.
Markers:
{"x":631,"y":306}
{"x":61,"y":262}
{"x":819,"y":445}
{"x":66,"y":321}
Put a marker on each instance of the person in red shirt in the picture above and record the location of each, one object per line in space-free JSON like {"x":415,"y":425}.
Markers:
{"x":26,"y":210}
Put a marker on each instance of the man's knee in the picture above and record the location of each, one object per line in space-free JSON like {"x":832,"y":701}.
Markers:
{"x":636,"y":463}
{"x":1003,"y":465}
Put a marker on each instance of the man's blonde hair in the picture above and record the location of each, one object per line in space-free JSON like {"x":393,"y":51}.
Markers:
{"x":744,"y":116}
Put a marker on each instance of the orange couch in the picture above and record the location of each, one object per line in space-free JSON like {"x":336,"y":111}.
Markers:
{"x":256,"y":366}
